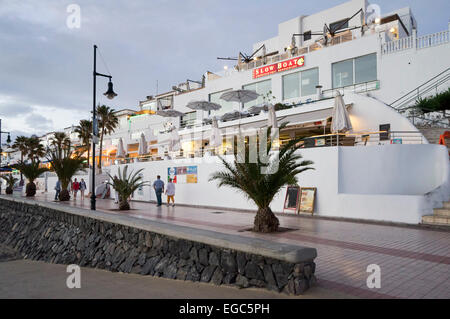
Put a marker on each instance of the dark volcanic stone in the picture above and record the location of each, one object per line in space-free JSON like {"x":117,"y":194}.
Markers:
{"x":181,"y":274}
{"x":203,"y":256}
{"x":242,"y":282}
{"x":207,"y":273}
{"x":269,"y":278}
{"x":213,"y":259}
{"x":229,"y":278}
{"x":228,"y":263}
{"x":170,"y":271}
{"x":253,"y":271}
{"x":241,"y":262}
{"x":149,"y":266}
{"x":217,"y":277}
{"x":280,"y":276}
{"x":161,"y":265}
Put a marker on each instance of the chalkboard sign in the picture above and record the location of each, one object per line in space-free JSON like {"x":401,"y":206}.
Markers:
{"x":387,"y":128}
{"x":291,"y":200}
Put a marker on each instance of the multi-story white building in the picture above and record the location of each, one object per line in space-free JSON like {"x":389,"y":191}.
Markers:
{"x":378,"y":63}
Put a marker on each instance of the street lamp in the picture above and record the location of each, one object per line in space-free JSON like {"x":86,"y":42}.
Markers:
{"x":8,"y":140}
{"x":110,"y":94}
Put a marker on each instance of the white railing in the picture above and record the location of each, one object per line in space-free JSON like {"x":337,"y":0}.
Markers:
{"x":414,"y":42}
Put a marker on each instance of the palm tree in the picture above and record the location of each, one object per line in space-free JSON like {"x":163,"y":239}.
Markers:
{"x":125,"y":184}
{"x":64,"y":161}
{"x":107,"y":122}
{"x":35,"y":150}
{"x":31,"y":171}
{"x":84,"y":130}
{"x":261,"y":188}
{"x":20,"y":144}
{"x":10,"y":182}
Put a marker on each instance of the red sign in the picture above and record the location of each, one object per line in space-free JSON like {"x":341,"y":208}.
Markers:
{"x":279,"y":67}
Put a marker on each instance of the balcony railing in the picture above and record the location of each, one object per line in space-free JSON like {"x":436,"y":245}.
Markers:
{"x":414,"y":42}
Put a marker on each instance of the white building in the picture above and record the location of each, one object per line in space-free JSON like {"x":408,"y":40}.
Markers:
{"x":384,"y":170}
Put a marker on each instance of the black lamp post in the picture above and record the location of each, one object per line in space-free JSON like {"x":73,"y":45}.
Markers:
{"x":110,"y":94}
{"x":8,"y":140}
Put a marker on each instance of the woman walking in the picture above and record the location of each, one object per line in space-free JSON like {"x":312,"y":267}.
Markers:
{"x":170,"y":192}
{"x":75,"y":187}
{"x":82,"y":187}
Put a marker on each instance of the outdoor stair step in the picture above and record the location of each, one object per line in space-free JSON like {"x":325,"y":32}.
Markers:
{"x":436,"y":220}
{"x":442,"y":212}
{"x":447,"y":205}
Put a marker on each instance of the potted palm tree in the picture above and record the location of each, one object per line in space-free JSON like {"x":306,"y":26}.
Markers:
{"x":64,"y":161}
{"x":107,"y":122}
{"x":250,"y":179}
{"x":31,"y":171}
{"x":126,"y":184}
{"x":10,"y":182}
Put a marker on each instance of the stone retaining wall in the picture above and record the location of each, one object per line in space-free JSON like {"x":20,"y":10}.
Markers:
{"x":52,"y":235}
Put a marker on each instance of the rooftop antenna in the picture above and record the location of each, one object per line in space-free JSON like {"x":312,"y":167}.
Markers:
{"x":156,"y":87}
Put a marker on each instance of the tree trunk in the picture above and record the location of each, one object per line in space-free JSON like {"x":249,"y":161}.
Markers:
{"x":265,"y":221}
{"x":64,"y":195}
{"x":9,"y":190}
{"x":30,"y":189}
{"x":124,"y":205}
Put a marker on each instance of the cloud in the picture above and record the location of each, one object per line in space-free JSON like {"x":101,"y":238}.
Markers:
{"x":39,"y":122}
{"x":47,"y":67}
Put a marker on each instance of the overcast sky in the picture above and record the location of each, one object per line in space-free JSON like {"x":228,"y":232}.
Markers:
{"x":46,"y":67}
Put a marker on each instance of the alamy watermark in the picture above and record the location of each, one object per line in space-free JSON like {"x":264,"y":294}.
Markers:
{"x":374,"y":279}
{"x":73,"y":20}
{"x":74,"y":279}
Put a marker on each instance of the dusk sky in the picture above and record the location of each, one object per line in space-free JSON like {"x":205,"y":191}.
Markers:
{"x":46,"y":67}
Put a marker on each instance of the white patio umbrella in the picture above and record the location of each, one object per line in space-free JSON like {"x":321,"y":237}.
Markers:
{"x":120,"y":150}
{"x":272,"y":117}
{"x":142,"y":150}
{"x":340,"y":122}
{"x":203,"y":106}
{"x":241,"y":96}
{"x":215,"y":140}
{"x":169,"y":113}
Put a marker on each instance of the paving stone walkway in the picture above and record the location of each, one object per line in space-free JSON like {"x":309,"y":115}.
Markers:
{"x":414,"y":262}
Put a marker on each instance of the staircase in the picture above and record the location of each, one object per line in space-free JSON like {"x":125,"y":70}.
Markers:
{"x":441,"y":216}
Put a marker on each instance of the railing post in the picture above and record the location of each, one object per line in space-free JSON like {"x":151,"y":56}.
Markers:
{"x":414,"y":39}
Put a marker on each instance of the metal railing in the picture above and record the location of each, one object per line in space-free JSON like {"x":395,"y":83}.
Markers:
{"x":355,"y":88}
{"x":423,"y":90}
{"x":414,"y":42}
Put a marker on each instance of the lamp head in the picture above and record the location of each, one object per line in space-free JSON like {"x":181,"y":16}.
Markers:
{"x":8,"y":139}
{"x":110,"y":94}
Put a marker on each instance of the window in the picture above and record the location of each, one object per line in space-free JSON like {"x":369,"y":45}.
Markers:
{"x":366,"y":68}
{"x":307,"y":36}
{"x":291,"y":85}
{"x":226,"y":106}
{"x":262,"y":88}
{"x":354,"y":71}
{"x":340,"y":25}
{"x":150,"y":106}
{"x":300,"y":83}
{"x":342,"y":73}
{"x":310,"y":79}
{"x":188,"y":119}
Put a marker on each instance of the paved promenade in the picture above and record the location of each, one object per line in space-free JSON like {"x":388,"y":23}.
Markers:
{"x":415,"y":263}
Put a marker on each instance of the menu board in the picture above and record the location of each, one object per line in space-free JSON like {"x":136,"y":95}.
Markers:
{"x":291,"y":199}
{"x":182,"y":174}
{"x":307,"y":198}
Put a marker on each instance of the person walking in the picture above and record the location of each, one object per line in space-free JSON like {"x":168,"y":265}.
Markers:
{"x":75,"y":187}
{"x":57,"y":189}
{"x":82,"y":188}
{"x":158,"y":185}
{"x":170,"y":192}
